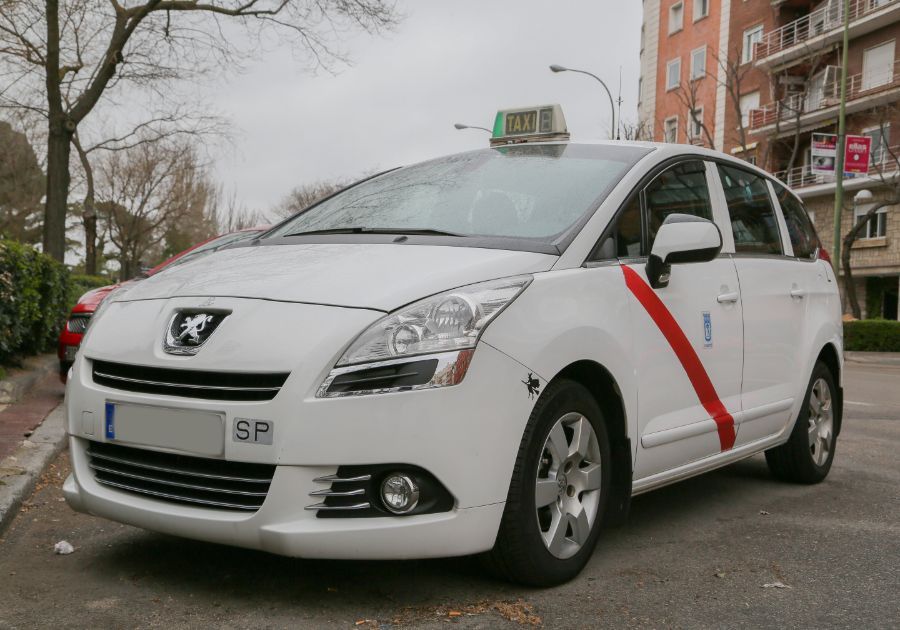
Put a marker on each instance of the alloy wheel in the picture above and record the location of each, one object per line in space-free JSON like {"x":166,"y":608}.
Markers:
{"x":821,"y":422}
{"x":567,"y":488}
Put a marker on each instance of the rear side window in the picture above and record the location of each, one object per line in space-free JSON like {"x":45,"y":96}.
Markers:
{"x":800,"y":228}
{"x":753,"y":220}
{"x":681,"y":189}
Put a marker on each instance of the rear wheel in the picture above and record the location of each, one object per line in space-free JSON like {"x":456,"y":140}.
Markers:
{"x":808,"y":454}
{"x":560,"y":484}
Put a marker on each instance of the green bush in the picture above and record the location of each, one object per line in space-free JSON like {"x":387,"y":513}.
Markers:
{"x":872,"y":335}
{"x":79,"y":284}
{"x":34,"y":300}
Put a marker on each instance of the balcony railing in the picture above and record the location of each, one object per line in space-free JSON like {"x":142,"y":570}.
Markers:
{"x":828,"y":17}
{"x":797,"y":106}
{"x":803,"y":177}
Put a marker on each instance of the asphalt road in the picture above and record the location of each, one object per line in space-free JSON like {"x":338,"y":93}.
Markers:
{"x":697,"y":554}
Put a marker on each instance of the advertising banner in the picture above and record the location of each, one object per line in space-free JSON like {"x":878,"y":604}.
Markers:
{"x":824,"y":153}
{"x":856,"y":154}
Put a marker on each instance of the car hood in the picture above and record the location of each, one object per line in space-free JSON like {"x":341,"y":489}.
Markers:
{"x":375,"y":276}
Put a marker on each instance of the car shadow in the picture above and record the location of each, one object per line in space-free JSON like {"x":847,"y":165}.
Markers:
{"x":227,"y":574}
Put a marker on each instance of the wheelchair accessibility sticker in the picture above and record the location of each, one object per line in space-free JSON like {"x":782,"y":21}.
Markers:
{"x":707,"y":330}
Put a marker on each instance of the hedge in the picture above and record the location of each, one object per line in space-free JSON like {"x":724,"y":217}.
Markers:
{"x":34,"y":300}
{"x":79,"y":284}
{"x":872,"y":335}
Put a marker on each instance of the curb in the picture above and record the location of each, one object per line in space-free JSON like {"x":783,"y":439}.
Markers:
{"x":19,"y":473}
{"x":22,"y":380}
{"x":873,"y":358}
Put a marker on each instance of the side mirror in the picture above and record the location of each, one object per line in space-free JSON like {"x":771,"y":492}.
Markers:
{"x":682,"y":238}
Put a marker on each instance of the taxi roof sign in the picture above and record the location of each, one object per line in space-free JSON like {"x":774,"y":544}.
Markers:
{"x":529,"y":124}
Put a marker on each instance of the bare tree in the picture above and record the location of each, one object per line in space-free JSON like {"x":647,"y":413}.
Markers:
{"x":146,"y":190}
{"x":641,"y":131}
{"x":694,"y":127}
{"x":302,"y":197}
{"x":887,"y":175}
{"x":232,"y":215}
{"x":59,"y":59}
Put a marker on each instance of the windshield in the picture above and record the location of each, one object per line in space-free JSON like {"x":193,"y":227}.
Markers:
{"x":532,"y":191}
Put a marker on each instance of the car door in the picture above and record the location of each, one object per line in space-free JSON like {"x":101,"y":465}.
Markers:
{"x":687,"y":336}
{"x":773,"y":306}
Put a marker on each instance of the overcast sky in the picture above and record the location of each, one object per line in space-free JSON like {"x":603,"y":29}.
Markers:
{"x":447,"y":62}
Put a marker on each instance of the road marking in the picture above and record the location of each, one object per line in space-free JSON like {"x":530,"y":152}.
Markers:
{"x":686,"y":354}
{"x":862,"y":404}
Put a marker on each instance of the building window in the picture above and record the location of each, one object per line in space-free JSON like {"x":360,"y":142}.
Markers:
{"x":748,"y":102}
{"x":698,"y":63}
{"x":701,"y":9}
{"x":881,"y":138}
{"x":877,"y":226}
{"x":750,"y":159}
{"x":670,"y":130}
{"x":751,"y":37}
{"x":695,"y":125}
{"x":676,"y":17}
{"x":878,"y":66}
{"x":673,"y":74}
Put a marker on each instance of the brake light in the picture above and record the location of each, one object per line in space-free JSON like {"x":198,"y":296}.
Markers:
{"x":823,"y":255}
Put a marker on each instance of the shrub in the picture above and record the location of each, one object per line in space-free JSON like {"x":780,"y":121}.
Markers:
{"x":34,"y":294}
{"x":79,"y":284}
{"x":872,"y":335}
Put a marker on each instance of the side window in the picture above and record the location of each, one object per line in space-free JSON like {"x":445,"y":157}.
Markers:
{"x":800,"y":229}
{"x":625,"y":240}
{"x":753,"y":220}
{"x":628,"y":230}
{"x":681,"y":189}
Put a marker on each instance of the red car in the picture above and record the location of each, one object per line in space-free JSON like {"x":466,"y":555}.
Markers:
{"x":73,"y":331}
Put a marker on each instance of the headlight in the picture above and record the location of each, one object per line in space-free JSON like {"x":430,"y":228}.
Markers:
{"x":448,"y":321}
{"x":439,"y":331}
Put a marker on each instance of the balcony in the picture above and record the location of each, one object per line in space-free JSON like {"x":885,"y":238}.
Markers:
{"x":822,"y":27}
{"x":807,"y":110}
{"x":802,"y":176}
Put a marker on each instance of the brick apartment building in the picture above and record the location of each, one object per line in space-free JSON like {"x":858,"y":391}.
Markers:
{"x":756,"y":78}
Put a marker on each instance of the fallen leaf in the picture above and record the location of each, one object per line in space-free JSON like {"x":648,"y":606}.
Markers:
{"x":775,"y":585}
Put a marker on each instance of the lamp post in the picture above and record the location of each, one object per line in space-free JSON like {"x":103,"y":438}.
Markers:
{"x":612,"y":107}
{"x":461,"y":126}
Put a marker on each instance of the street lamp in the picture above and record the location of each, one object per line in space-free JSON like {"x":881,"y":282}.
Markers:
{"x":614,"y":133}
{"x":461,"y":126}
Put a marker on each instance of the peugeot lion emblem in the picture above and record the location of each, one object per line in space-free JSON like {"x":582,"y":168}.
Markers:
{"x":189,"y":330}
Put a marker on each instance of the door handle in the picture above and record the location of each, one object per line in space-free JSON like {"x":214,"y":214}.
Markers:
{"x":728,"y":298}
{"x":798,"y":293}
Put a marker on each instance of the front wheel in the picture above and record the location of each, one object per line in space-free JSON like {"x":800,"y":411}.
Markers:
{"x":559,"y":488}
{"x":809,"y":452}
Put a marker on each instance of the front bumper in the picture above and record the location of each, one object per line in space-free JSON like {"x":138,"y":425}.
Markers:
{"x":467,"y":436}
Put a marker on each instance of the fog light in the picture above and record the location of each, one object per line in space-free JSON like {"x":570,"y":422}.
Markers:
{"x":399,"y":493}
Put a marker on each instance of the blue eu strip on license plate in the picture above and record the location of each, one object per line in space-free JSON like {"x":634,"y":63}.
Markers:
{"x":110,"y":421}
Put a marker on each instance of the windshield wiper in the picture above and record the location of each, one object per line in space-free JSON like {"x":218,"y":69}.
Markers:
{"x":368,"y":230}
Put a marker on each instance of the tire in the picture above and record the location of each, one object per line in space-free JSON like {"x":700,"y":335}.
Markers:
{"x":809,"y":452}
{"x":548,"y":545}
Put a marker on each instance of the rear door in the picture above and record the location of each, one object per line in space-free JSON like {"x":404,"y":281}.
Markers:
{"x":687,"y":336}
{"x":772,"y":288}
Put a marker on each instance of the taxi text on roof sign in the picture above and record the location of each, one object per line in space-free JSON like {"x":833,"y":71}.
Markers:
{"x":529,"y":124}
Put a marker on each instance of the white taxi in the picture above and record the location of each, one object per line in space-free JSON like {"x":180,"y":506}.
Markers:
{"x":490,"y":352}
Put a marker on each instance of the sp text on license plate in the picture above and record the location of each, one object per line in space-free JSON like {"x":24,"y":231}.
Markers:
{"x":253,"y":431}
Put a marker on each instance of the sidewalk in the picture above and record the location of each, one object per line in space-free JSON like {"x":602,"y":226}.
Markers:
{"x":873,"y":358}
{"x":20,"y":418}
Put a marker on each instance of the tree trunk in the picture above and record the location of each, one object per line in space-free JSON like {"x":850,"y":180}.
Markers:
{"x":849,"y":287}
{"x":58,"y":150}
{"x":89,"y":213}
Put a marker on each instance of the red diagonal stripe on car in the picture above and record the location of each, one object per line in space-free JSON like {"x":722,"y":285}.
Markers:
{"x":686,"y":354}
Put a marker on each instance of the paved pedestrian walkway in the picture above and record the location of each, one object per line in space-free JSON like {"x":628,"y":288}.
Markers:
{"x":19,"y":418}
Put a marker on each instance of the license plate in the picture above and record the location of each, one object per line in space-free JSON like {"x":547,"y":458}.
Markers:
{"x":201,"y":432}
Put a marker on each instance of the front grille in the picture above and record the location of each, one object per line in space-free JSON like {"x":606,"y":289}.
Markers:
{"x":78,"y":324}
{"x":189,"y":383}
{"x":180,"y":478}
